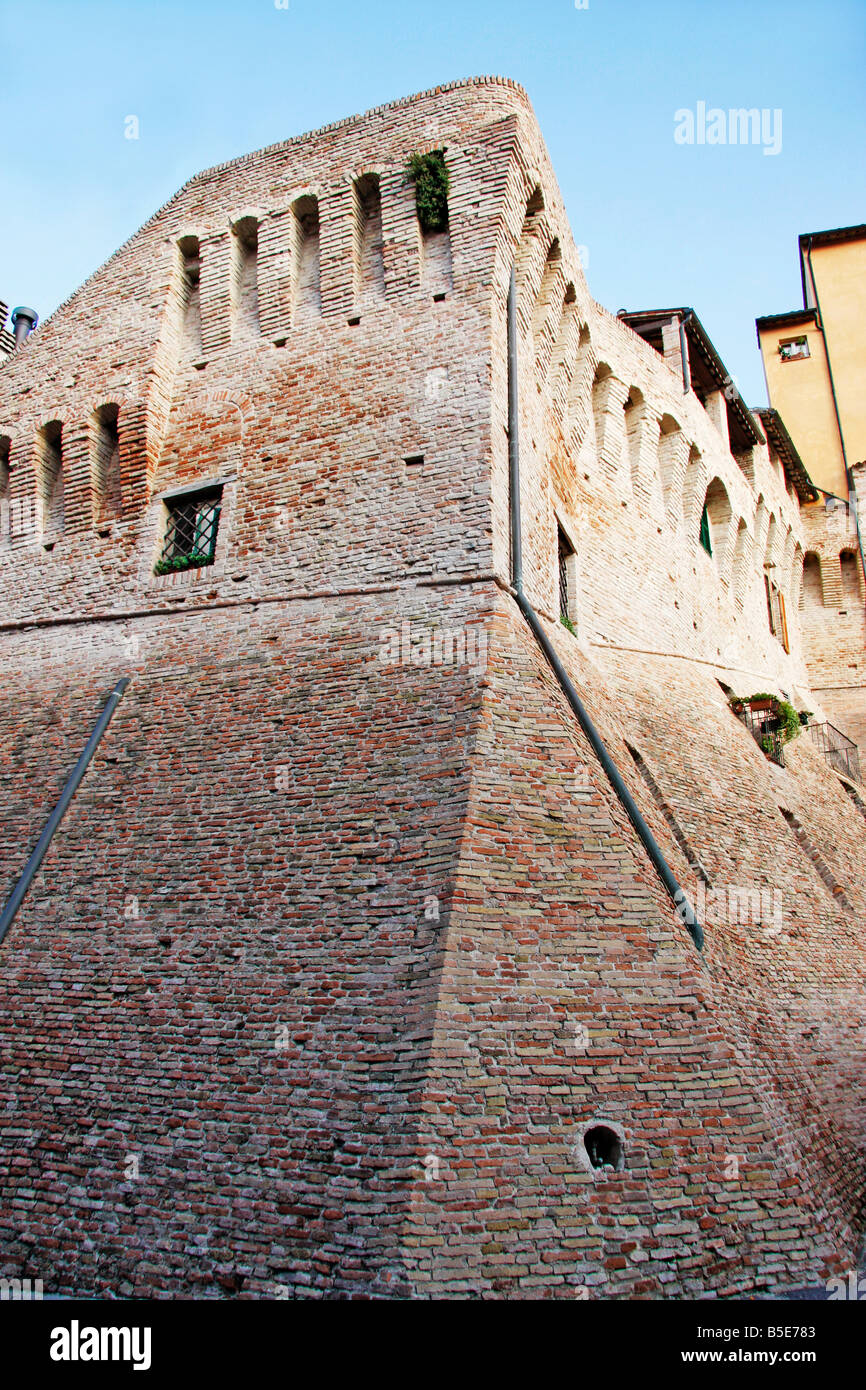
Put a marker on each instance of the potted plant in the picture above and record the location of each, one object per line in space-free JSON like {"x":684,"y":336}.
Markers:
{"x":762,"y":701}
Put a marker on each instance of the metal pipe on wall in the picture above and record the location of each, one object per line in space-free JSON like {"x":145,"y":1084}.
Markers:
{"x":18,"y":892}
{"x":685,"y":911}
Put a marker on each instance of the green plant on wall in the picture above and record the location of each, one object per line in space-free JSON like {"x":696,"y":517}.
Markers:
{"x":429,"y":173}
{"x":193,"y":561}
{"x":566,"y":622}
{"x":790,"y":721}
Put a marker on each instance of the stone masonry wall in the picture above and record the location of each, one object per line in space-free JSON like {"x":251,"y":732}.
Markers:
{"x":345,"y":941}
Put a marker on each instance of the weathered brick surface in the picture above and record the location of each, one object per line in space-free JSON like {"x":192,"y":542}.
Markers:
{"x":316,"y":945}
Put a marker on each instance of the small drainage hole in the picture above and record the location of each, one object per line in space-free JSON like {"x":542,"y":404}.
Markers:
{"x":604,"y":1148}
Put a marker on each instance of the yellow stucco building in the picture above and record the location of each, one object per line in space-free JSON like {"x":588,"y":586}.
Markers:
{"x":814,"y":357}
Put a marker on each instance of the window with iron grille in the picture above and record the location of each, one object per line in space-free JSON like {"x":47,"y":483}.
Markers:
{"x":191,"y":531}
{"x":565,"y":553}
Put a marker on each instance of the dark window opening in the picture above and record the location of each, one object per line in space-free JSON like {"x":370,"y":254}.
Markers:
{"x":564,"y":554}
{"x":245,"y":281}
{"x":105,"y":465}
{"x":307,"y":281}
{"x":850,"y":578}
{"x":51,"y":468}
{"x":190,"y":295}
{"x":812,"y":592}
{"x":414,"y":460}
{"x":604,"y":1148}
{"x":369,"y":265}
{"x":705,"y":531}
{"x":191,"y":532}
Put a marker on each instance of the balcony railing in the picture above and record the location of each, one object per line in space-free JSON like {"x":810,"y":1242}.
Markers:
{"x":765,"y":729}
{"x":838,"y":749}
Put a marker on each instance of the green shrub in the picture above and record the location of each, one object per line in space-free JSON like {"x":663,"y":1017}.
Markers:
{"x":566,"y":622}
{"x":790,"y":721}
{"x":193,"y":561}
{"x":429,"y":173}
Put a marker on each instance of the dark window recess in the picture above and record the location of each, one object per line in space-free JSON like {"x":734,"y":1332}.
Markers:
{"x":811,"y":851}
{"x":604,"y":1148}
{"x":191,"y":533}
{"x":706,"y":542}
{"x":564,"y":555}
{"x":414,"y":460}
{"x":857,"y":799}
{"x":689,"y":854}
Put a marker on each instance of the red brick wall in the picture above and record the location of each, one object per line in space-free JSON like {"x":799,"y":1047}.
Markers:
{"x":316,"y":943}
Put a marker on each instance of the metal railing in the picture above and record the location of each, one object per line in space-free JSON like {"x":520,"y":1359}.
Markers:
{"x":839,"y":750}
{"x":765,"y":729}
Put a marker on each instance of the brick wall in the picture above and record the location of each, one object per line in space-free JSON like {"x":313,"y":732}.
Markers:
{"x":344,"y":941}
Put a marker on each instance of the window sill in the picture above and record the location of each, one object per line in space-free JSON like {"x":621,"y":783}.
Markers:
{"x":203,"y":575}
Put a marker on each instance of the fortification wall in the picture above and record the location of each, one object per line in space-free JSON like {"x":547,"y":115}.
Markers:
{"x":571,"y":997}
{"x":321,"y":933}
{"x":218,"y":995}
{"x":273,"y":329}
{"x":622,"y":459}
{"x":833,"y":617}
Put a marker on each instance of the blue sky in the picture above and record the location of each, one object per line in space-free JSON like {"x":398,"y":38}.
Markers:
{"x":714,"y":227}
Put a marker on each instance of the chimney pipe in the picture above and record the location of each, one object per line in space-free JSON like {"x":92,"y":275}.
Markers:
{"x":24,"y":321}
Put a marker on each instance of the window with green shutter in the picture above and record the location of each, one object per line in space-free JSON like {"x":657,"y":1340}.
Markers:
{"x":706,"y":542}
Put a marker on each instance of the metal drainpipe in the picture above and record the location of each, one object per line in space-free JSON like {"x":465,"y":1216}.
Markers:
{"x":685,"y":911}
{"x":852,"y":492}
{"x":514,"y":438}
{"x":32,"y":865}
